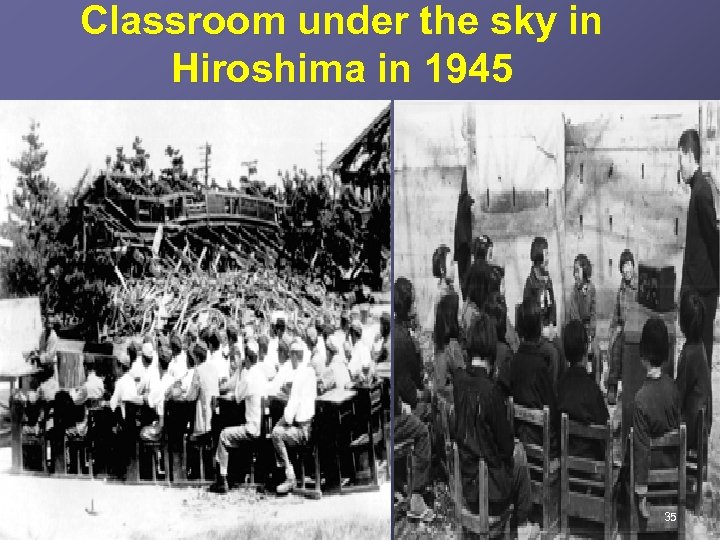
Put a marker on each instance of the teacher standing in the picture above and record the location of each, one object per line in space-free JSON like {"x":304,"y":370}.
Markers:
{"x":700,"y":260}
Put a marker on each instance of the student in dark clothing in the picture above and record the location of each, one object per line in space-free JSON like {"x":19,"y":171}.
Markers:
{"x":578,"y":394}
{"x":480,"y":271}
{"x":528,"y":379}
{"x":656,"y":408}
{"x":483,"y":431}
{"x":497,"y":310}
{"x":407,"y":376}
{"x":539,"y":289}
{"x":700,"y":259}
{"x":693,"y":377}
{"x":626,"y":294}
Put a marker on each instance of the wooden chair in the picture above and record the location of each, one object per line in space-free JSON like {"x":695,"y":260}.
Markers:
{"x":481,"y":523}
{"x":445,"y":413}
{"x":371,"y":424}
{"x":697,"y":465}
{"x":544,"y":492}
{"x":140,"y":446}
{"x":591,"y":499}
{"x":38,"y":442}
{"x":663,"y":517}
{"x":403,"y":451}
{"x":307,"y":487}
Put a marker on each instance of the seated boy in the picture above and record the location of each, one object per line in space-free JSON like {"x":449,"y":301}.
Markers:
{"x":481,"y":417}
{"x":528,"y":379}
{"x":656,"y":408}
{"x":626,"y":294}
{"x":578,"y":394}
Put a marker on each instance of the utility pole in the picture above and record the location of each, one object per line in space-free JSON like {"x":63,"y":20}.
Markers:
{"x":206,"y":149}
{"x":321,"y":153}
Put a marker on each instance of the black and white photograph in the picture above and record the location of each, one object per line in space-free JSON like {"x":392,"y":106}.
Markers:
{"x":195,"y":319}
{"x":555,"y":288}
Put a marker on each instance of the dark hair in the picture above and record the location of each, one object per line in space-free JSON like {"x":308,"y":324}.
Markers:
{"x":252,"y":356}
{"x":478,"y":285}
{"x":654,"y":342}
{"x":213,"y":341}
{"x":132,"y":351}
{"x":690,"y":142}
{"x":402,"y":302}
{"x":89,"y":361}
{"x":279,"y":326}
{"x":584,"y":263}
{"x":232,"y":334}
{"x":497,"y":273}
{"x":446,"y":321}
{"x":539,"y":244}
{"x":692,"y":316}
{"x":496,"y":308}
{"x":530,"y":323}
{"x":164,"y":358}
{"x":626,"y":256}
{"x":439,"y":263}
{"x":482,"y":338}
{"x":574,"y":341}
{"x":481,"y":247}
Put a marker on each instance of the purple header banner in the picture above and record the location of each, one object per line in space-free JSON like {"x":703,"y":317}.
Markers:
{"x":492,"y":49}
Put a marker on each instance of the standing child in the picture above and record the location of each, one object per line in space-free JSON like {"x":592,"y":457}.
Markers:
{"x":582,"y":305}
{"x":626,"y":293}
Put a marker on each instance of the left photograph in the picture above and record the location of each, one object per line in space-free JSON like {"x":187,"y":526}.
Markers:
{"x":195,"y":319}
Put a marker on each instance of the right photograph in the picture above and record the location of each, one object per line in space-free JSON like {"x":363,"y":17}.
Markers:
{"x":555,"y":333}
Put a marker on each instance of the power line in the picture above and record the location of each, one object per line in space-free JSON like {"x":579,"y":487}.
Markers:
{"x":321,"y":154}
{"x":206,"y":149}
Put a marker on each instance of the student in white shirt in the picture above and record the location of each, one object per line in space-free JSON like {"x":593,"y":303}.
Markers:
{"x":203,"y":387}
{"x":159,"y":391}
{"x":285,"y":370}
{"x":361,"y":365}
{"x":335,"y":374}
{"x":92,"y":389}
{"x":178,"y":365}
{"x":318,"y":354}
{"x":277,"y":330}
{"x":294,"y":427}
{"x":149,"y":372}
{"x":251,"y":387}
{"x":216,"y":358}
{"x":125,"y":388}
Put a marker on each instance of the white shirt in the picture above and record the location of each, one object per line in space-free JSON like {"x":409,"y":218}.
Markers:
{"x":360,"y":359}
{"x":301,"y":403}
{"x":252,"y":387}
{"x":150,"y":376}
{"x":125,"y":390}
{"x":178,"y":366}
{"x":337,"y":372}
{"x":160,"y":386}
{"x":186,"y":380}
{"x":221,"y":364}
{"x":285,"y":374}
{"x":319,"y":358}
{"x":270,"y":362}
{"x":94,"y":386}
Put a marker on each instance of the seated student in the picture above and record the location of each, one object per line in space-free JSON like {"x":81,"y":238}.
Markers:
{"x":215,"y":356}
{"x":478,"y":282}
{"x":93,"y":389}
{"x":285,"y":370}
{"x":528,"y":378}
{"x":539,"y":289}
{"x":294,"y":427}
{"x":361,"y":366}
{"x":204,"y":386}
{"x":497,"y":290}
{"x":49,"y":386}
{"x":496,"y":309}
{"x":125,"y":387}
{"x":656,"y":408}
{"x":381,"y":346}
{"x":251,"y":388}
{"x":482,"y":419}
{"x":335,"y":374}
{"x":407,"y":360}
{"x":159,"y":391}
{"x":578,"y":394}
{"x":178,"y":366}
{"x":582,"y":299}
{"x":626,"y":293}
{"x":318,"y":353}
{"x":149,"y":370}
{"x":449,"y":355}
{"x":277,"y":329}
{"x":693,"y":375}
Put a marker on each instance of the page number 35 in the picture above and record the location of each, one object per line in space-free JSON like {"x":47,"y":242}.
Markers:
{"x":670,"y":516}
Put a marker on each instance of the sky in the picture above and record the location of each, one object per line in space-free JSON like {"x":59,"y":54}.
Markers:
{"x":278,"y":134}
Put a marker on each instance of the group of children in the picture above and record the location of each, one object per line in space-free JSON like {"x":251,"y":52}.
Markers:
{"x":208,"y":362}
{"x":481,"y":360}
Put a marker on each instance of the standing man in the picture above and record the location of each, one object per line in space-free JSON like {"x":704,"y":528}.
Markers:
{"x":700,"y":260}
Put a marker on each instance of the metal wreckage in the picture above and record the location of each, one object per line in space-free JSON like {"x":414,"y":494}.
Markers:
{"x":183,"y":251}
